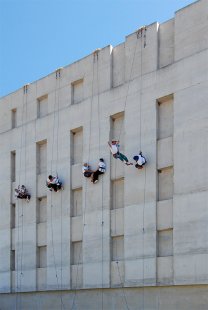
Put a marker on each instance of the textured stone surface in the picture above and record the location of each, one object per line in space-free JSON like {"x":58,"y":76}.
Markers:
{"x":134,"y":227}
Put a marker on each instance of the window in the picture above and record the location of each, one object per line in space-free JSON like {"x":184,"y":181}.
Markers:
{"x":165,"y":243}
{"x":76,"y":145}
{"x":165,"y":117}
{"x":117,"y":194}
{"x":76,"y":256}
{"x":13,"y":166}
{"x":14,"y":118}
{"x":77,"y":202}
{"x":77,"y":91}
{"x":42,"y":157}
{"x":41,"y":257}
{"x":117,"y":248}
{"x":42,"y":109}
{"x":42,"y":210}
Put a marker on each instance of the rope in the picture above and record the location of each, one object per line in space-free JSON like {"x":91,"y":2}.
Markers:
{"x":58,"y":76}
{"x":22,"y":215}
{"x":19,"y":252}
{"x":140,"y":98}
{"x":85,"y":193}
{"x":143,"y":232}
{"x":132,"y":65}
{"x":102,"y":218}
{"x":37,"y":299}
{"x":124,"y":294}
{"x":143,"y":45}
{"x":125,"y":102}
{"x":139,"y":35}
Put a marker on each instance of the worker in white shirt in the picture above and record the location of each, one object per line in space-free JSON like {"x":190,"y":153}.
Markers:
{"x":114,"y":148}
{"x":140,"y":160}
{"x":100,"y":170}
{"x":54,"y":183}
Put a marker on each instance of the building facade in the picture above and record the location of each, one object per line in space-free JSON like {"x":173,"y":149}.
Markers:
{"x":138,"y":239}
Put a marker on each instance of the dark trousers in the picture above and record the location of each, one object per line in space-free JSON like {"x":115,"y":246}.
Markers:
{"x":55,"y":187}
{"x":121,"y":156}
{"x":23,"y":196}
{"x":96,"y":175}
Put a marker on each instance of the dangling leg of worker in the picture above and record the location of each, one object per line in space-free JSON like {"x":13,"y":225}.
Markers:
{"x":59,"y":186}
{"x":28,"y":197}
{"x":122,"y":157}
{"x":95,"y":176}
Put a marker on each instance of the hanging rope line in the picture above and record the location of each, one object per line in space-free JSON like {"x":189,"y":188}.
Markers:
{"x":125,"y":103}
{"x":139,"y":35}
{"x":143,"y":45}
{"x":143,"y":232}
{"x":37,"y":298}
{"x":96,"y":57}
{"x":128,"y":85}
{"x":58,"y":77}
{"x":142,"y":34}
{"x":86,"y":188}
{"x":20,"y":223}
{"x":22,"y":210}
{"x":57,"y":91}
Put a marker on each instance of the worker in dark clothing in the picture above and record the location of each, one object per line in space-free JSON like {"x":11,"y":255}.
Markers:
{"x":100,"y":170}
{"x":22,"y":193}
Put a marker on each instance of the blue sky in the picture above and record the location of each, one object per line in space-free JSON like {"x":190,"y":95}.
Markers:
{"x":38,"y":36}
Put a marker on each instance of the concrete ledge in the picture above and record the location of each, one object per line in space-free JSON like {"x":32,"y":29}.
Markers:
{"x":165,"y":270}
{"x":137,"y":298}
{"x":13,"y":279}
{"x":5,"y":286}
{"x":77,"y":276}
{"x":190,"y":269}
{"x":117,"y":274}
{"x":41,"y":279}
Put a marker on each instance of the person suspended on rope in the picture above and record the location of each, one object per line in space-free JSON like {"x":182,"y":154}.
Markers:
{"x":22,"y":193}
{"x":140,"y":160}
{"x":87,"y":172}
{"x":100,"y":170}
{"x":53,"y":183}
{"x":114,"y":147}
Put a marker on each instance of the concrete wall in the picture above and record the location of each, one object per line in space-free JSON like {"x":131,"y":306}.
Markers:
{"x":133,"y":228}
{"x":154,"y":298}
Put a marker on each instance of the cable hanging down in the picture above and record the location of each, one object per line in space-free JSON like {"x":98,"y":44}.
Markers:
{"x":95,"y":56}
{"x":59,"y":285}
{"x":141,"y":34}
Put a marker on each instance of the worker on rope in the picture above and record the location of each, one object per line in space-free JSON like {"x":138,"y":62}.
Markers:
{"x":100,"y":170}
{"x":53,"y":183}
{"x":140,"y":160}
{"x":114,"y":147}
{"x":22,"y":193}
{"x":87,"y":172}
